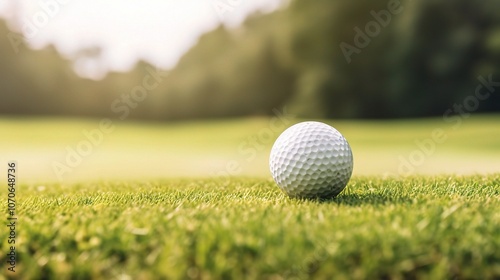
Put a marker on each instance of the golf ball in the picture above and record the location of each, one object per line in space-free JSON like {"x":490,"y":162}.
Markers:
{"x":311,"y":159}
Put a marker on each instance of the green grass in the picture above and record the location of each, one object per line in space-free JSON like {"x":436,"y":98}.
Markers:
{"x":122,"y":213}
{"x":421,"y":227}
{"x":141,"y":151}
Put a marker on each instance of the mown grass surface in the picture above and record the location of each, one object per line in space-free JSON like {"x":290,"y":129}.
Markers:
{"x":142,"y":151}
{"x":418,"y":228}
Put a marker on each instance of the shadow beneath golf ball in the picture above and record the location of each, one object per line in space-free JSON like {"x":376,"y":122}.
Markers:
{"x":363,"y":199}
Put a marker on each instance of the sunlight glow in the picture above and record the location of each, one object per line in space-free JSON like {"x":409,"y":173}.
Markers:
{"x":157,"y":31}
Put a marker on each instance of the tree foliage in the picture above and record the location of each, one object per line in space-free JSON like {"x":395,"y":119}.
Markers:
{"x":323,"y":58}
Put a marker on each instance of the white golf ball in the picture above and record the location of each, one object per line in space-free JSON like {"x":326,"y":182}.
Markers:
{"x":311,"y":159}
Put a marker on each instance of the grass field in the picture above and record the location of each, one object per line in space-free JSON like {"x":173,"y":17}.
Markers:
{"x":424,"y":227}
{"x":142,"y":151}
{"x":144,"y":203}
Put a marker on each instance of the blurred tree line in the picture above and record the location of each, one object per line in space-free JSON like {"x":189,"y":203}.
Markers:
{"x":323,"y":58}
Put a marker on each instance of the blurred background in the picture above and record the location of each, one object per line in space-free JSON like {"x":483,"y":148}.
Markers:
{"x":193,"y":87}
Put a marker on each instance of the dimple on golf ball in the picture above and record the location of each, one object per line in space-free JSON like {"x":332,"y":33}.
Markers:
{"x":311,"y":159}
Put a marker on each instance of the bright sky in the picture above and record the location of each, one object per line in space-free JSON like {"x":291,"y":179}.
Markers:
{"x":158,"y":31}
